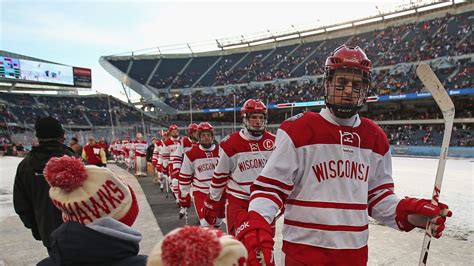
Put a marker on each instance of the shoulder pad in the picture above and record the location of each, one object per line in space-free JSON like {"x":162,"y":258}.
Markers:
{"x":226,"y":138}
{"x":295,"y":117}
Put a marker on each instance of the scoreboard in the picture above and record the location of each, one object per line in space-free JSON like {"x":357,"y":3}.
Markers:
{"x":29,"y":71}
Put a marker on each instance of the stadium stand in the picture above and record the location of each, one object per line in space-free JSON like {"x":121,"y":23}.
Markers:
{"x":292,"y":71}
{"x":84,"y":111}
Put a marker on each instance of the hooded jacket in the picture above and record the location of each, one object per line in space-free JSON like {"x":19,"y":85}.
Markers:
{"x":31,"y":191}
{"x":106,"y":241}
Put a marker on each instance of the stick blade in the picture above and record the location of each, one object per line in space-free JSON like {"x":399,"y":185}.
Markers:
{"x":432,"y":83}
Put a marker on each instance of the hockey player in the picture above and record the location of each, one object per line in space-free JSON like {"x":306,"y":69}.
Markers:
{"x":170,"y":147}
{"x":138,"y":147}
{"x":331,"y":170}
{"x":176,"y":157}
{"x":158,"y":160}
{"x":113,"y":151}
{"x":192,"y":137}
{"x":126,"y":143}
{"x":242,"y":157}
{"x":197,"y":169}
{"x":119,"y":151}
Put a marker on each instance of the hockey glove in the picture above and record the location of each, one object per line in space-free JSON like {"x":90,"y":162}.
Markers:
{"x":412,"y":212}
{"x":184,"y":202}
{"x":256,"y":234}
{"x":211,"y":210}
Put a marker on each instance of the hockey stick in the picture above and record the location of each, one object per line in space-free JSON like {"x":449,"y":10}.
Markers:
{"x":432,"y":83}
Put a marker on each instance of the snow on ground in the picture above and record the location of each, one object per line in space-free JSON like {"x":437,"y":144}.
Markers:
{"x":8,"y":167}
{"x":415,"y":177}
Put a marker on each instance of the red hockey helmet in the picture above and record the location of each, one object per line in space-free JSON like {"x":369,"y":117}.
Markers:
{"x":205,"y":126}
{"x":253,"y":106}
{"x":193,"y":127}
{"x":172,"y":127}
{"x":352,"y":64}
{"x":350,"y":57}
{"x":164,"y":134}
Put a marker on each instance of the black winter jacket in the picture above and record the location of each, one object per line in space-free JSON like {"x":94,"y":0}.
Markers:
{"x":31,"y":191}
{"x":76,"y":244}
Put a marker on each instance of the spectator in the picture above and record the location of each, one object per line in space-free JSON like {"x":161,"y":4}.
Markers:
{"x":20,"y":149}
{"x":31,"y":192}
{"x":94,"y":154}
{"x":149,"y":150}
{"x":103,"y":144}
{"x":75,"y":146}
{"x":97,"y":230}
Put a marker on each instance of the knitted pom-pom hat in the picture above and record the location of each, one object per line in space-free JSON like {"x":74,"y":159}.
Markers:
{"x":197,"y":246}
{"x":87,"y":193}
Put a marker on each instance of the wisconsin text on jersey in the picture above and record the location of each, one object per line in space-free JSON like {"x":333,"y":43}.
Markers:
{"x":343,"y":169}
{"x":251,"y":164}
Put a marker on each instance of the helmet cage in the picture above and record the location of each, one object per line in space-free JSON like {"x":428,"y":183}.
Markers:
{"x":346,"y":64}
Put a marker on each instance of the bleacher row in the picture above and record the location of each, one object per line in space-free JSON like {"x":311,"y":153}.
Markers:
{"x":428,"y":135}
{"x":90,"y":110}
{"x":445,"y":38}
{"x":459,"y":75}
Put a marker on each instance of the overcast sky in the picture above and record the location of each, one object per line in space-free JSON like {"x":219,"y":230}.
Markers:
{"x":77,"y":33}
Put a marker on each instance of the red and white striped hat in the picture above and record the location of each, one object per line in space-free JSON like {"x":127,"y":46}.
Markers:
{"x":87,"y":193}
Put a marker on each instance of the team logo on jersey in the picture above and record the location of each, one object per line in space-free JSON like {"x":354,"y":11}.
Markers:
{"x":225,"y":138}
{"x":268,"y":144}
{"x":254,"y":147}
{"x":293,"y":118}
{"x":349,"y":138}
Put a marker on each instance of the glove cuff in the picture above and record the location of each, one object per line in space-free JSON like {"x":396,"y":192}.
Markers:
{"x":252,"y":222}
{"x":402,"y":212}
{"x":212,"y":204}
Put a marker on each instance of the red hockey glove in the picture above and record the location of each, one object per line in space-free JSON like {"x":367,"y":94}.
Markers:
{"x":159,"y":167}
{"x":186,"y":201}
{"x":211,"y":210}
{"x":412,"y":212}
{"x":154,"y":161}
{"x":256,"y":234}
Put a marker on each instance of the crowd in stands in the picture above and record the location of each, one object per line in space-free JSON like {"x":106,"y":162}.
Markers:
{"x":383,"y":83}
{"x":429,"y":135}
{"x":448,"y":35}
{"x":70,"y":110}
{"x":302,"y":91}
{"x":424,"y":40}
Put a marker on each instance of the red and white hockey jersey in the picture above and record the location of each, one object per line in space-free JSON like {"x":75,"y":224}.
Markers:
{"x":139,"y":147}
{"x":176,"y":155}
{"x":240,"y":161}
{"x":197,"y":169}
{"x":126,"y":145}
{"x":170,"y":146}
{"x":331,"y":174}
{"x":118,"y":147}
{"x":156,"y":161}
